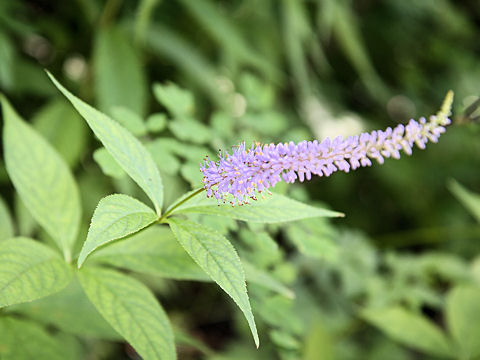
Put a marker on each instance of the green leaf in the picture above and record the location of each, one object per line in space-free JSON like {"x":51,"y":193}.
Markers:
{"x":119,"y":74}
{"x":189,"y":172}
{"x":129,"y":119}
{"x":468,"y":198}
{"x":29,"y":270}
{"x":153,"y":251}
{"x":279,"y":311}
{"x":24,"y":340}
{"x":410,"y":329}
{"x":70,"y":311}
{"x":132,"y":310}
{"x":186,"y":57}
{"x":183,"y":338}
{"x":284,"y":340}
{"x":26,"y":224}
{"x":63,"y":128}
{"x":262,"y":278}
{"x":274,"y":208}
{"x":314,"y":238}
{"x":42,"y":179}
{"x":188,"y":129}
{"x":179,"y":102}
{"x":6,"y":223}
{"x":463,"y":318}
{"x":318,"y":343}
{"x":108,"y":164}
{"x":116,"y":216}
{"x":217,"y":257}
{"x":224,"y":32}
{"x":130,"y":154}
{"x":163,"y":157}
{"x":156,"y":122}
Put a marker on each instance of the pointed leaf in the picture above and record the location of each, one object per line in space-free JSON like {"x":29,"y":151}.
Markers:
{"x":119,"y":74}
{"x":218,"y":258}
{"x":132,"y":310}
{"x":116,"y":216}
{"x":463,"y":317}
{"x":468,"y":198}
{"x":274,"y":208}
{"x":25,"y":340}
{"x":29,"y":270}
{"x":410,"y":329}
{"x":42,"y":179}
{"x":153,"y":251}
{"x":70,"y":311}
{"x":130,"y":154}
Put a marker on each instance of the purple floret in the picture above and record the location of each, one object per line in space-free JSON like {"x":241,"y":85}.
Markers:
{"x":247,"y":172}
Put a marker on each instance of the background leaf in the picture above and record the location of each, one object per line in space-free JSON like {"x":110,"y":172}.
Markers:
{"x":116,"y":216}
{"x":314,"y":238}
{"x":129,"y":120}
{"x":153,"y":251}
{"x":108,"y":164}
{"x":264,"y":279}
{"x":130,"y":154}
{"x":179,"y":102}
{"x":119,"y":74}
{"x":42,"y":179}
{"x":217,"y":257}
{"x":463,"y":317}
{"x":6,"y":224}
{"x":70,"y":311}
{"x":63,"y":128}
{"x":468,"y":198}
{"x":275,"y":208}
{"x":24,"y":340}
{"x":410,"y":329}
{"x":132,"y":310}
{"x":29,"y":270}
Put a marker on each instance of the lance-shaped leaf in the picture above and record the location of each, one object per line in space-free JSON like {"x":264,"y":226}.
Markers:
{"x":218,"y":258}
{"x":130,"y":154}
{"x":132,"y":310}
{"x":116,"y":216}
{"x":29,"y":270}
{"x":70,"y":311}
{"x":463,"y":318}
{"x":153,"y":251}
{"x":468,"y":198}
{"x":119,"y":75}
{"x":274,"y":208}
{"x":410,"y":329}
{"x":42,"y":179}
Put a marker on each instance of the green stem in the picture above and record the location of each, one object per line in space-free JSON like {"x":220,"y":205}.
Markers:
{"x":183,"y":201}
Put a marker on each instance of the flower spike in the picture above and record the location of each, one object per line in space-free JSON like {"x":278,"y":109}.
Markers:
{"x":248,"y":171}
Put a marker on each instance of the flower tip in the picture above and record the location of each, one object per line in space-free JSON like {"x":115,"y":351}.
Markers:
{"x":446,"y":109}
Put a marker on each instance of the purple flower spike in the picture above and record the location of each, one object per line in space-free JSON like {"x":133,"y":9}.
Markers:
{"x":251,"y":171}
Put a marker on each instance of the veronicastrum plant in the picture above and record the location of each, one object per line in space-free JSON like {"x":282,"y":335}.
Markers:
{"x":30,"y":270}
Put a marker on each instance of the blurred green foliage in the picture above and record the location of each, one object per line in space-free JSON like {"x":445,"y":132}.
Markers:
{"x":398,"y":278}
